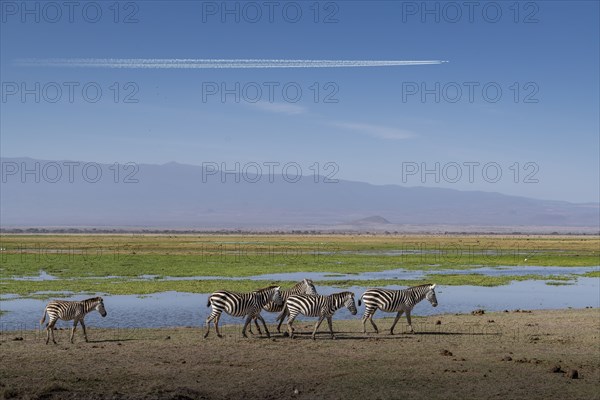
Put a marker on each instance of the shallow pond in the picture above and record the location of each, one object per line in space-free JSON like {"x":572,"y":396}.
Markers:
{"x":374,"y":275}
{"x":187,"y":309}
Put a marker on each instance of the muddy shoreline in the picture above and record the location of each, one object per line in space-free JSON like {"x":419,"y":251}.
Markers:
{"x":505,"y":355}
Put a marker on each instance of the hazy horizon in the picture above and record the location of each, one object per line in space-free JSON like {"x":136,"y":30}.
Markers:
{"x":17,"y":175}
{"x":80,"y":193}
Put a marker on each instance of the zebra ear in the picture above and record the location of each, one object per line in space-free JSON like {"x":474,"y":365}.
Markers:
{"x":433,"y":286}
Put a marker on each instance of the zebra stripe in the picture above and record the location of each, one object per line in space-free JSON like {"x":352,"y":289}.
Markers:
{"x":318,"y":306}
{"x":236,"y":304}
{"x":400,"y":301}
{"x":305,"y":286}
{"x":70,"y":310}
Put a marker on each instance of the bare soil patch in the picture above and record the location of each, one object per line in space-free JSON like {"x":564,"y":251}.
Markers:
{"x":520,"y":355}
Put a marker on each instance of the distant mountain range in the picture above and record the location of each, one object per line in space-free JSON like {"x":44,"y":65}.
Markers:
{"x":190,"y":197}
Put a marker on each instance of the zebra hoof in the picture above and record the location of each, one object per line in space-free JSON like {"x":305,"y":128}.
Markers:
{"x":221,"y":336}
{"x":333,"y":337}
{"x":285,"y":334}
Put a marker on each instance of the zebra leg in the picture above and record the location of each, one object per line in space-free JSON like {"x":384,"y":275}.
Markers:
{"x":373,"y":323}
{"x":73,"y":330}
{"x":280,"y":318}
{"x":290,"y":322}
{"x":257,"y":327}
{"x":217,"y":318}
{"x":321,"y":318}
{"x":48,"y":333}
{"x":84,"y":332}
{"x":246,"y":323}
{"x":369,"y":316}
{"x":207,"y":327}
{"x":409,"y":323}
{"x":210,"y":318}
{"x":52,"y":333}
{"x":264,"y":324}
{"x":395,"y":321}
{"x":330,"y":327}
{"x":50,"y":329}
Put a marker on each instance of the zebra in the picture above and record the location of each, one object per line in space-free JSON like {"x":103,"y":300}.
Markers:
{"x":318,"y":306}
{"x":305,"y":286}
{"x":241,"y":304}
{"x":400,"y":301}
{"x":71,"y":310}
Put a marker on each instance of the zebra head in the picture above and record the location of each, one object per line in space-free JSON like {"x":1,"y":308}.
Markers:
{"x":269,"y":294}
{"x":430,"y":296}
{"x":100,"y":307}
{"x":276,"y":296}
{"x":349,"y":303}
{"x":309,"y":287}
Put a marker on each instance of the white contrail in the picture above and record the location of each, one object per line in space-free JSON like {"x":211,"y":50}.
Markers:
{"x":168,"y":63}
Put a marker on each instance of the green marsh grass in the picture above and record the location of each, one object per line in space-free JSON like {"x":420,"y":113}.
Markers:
{"x":79,"y":262}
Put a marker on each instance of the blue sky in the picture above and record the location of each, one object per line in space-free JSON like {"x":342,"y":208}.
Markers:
{"x":376,"y":130}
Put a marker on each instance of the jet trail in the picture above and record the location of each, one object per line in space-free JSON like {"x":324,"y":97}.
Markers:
{"x":175,"y":63}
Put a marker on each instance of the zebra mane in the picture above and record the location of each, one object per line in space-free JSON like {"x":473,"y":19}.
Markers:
{"x":418,"y":292}
{"x":428,"y":285}
{"x":266,"y":289}
{"x":93,"y":300}
{"x":299,"y":284}
{"x":302,"y":283}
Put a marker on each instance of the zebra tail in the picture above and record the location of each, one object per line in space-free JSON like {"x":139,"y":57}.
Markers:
{"x":208,"y":302}
{"x":359,"y":302}
{"x":43,"y":317}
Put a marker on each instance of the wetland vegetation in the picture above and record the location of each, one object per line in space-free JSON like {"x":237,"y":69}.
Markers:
{"x":138,"y":264}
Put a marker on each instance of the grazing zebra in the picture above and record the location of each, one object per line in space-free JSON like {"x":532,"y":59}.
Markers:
{"x":241,"y":304}
{"x":318,"y":306}
{"x":70,"y":310}
{"x":305,"y":286}
{"x":400,"y":301}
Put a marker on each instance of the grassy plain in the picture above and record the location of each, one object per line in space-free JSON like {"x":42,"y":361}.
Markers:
{"x":82,"y":263}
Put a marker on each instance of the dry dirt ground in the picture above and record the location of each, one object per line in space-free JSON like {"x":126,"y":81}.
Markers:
{"x":506,"y":355}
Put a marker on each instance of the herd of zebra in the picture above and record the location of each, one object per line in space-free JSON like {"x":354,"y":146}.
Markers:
{"x":302,"y":298}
